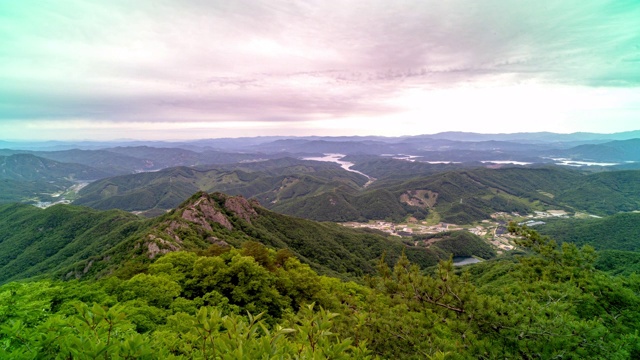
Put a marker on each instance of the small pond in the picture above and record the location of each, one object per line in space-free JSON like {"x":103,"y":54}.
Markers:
{"x":464,"y":260}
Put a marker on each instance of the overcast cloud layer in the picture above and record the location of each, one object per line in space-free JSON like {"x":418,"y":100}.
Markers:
{"x":193,"y":69}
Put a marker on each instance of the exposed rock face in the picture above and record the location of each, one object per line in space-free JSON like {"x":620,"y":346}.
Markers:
{"x":215,"y":241}
{"x":154,"y":246}
{"x":171,"y":230}
{"x":241,"y":207}
{"x":203,"y":211}
{"x":211,"y":214}
{"x":193,"y":216}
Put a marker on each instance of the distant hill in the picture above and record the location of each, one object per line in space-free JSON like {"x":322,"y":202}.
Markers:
{"x":271,"y":182}
{"x":106,"y":161}
{"x":613,"y":151}
{"x":12,"y":191}
{"x":604,"y":193}
{"x":28,"y":167}
{"x":133,"y":159}
{"x":615,"y":232}
{"x":325,"y":192}
{"x":535,"y":136}
{"x":160,"y":158}
{"x":29,"y":178}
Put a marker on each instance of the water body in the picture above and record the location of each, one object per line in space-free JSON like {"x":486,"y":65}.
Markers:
{"x":337,"y":158}
{"x":568,"y":162}
{"x":411,"y":158}
{"x":510,"y":162}
{"x":464,"y":260}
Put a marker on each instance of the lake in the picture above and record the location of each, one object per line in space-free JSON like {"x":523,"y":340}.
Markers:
{"x":464,"y":260}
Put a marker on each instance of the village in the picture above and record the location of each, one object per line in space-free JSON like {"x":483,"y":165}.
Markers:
{"x":494,"y":230}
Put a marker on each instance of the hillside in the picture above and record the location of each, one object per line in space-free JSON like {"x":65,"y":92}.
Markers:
{"x":464,"y":196}
{"x":325,"y":192}
{"x":12,"y":191}
{"x":271,"y":182}
{"x":77,"y":242}
{"x":36,"y":241}
{"x":604,"y":193}
{"x":112,"y":163}
{"x":28,"y":178}
{"x":256,"y":302}
{"x":618,"y":151}
{"x":615,"y":232}
{"x":27,"y":167}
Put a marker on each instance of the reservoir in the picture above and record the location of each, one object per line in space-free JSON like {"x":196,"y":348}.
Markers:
{"x":464,"y":260}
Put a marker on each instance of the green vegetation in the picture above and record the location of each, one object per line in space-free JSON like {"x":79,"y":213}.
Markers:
{"x":35,"y":241}
{"x":27,"y":178}
{"x":325,"y":192}
{"x":12,"y":191}
{"x":616,"y":232}
{"x":255,"y":302}
{"x":604,"y":193}
{"x":617,"y":237}
{"x":457,"y":243}
{"x":27,"y":167}
{"x":469,"y":195}
{"x":274,"y":183}
{"x":618,"y":262}
{"x":77,"y":242}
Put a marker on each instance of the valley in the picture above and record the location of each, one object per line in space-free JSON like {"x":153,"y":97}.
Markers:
{"x":337,"y":158}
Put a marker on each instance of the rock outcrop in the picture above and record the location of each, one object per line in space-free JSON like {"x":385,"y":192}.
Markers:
{"x":204,"y":211}
{"x":199,"y":216}
{"x":241,"y":208}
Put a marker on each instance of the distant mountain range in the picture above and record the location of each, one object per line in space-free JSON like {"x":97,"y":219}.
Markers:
{"x":234,"y":144}
{"x":325,"y":192}
{"x":376,"y":173}
{"x":28,"y":167}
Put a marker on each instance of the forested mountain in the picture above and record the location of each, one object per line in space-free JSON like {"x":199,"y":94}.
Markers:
{"x":12,"y":191}
{"x":132,"y":159}
{"x":77,"y":242}
{"x":37,"y":241}
{"x":27,"y":167}
{"x":255,"y":302}
{"x":220,"y":276}
{"x":28,"y":178}
{"x":325,"y":192}
{"x":271,"y":182}
{"x":613,"y":151}
{"x":112,"y":163}
{"x":616,"y":232}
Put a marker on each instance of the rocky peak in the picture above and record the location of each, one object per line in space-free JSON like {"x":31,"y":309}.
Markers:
{"x":241,"y":207}
{"x":203,"y":211}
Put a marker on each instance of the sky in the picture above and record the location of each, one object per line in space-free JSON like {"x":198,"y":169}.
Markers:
{"x":192,"y":69}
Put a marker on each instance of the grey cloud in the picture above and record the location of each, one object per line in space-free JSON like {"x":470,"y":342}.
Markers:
{"x":185,"y":60}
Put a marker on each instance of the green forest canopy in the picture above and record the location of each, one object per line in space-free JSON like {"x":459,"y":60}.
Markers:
{"x":255,"y":302}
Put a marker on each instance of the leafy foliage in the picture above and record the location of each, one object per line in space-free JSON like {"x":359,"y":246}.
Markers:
{"x":258,"y":303}
{"x":35,"y":241}
{"x":457,"y":243}
{"x":615,"y":232}
{"x":77,"y":242}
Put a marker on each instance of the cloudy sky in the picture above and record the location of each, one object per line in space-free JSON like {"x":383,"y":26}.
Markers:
{"x":180,"y":69}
